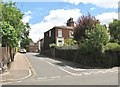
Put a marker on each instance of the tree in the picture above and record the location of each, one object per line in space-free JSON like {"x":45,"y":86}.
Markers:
{"x":97,"y":39}
{"x":13,"y":16}
{"x":25,"y":42}
{"x":12,"y":28}
{"x":84,"y":23}
{"x":114,"y":28}
{"x":9,"y":36}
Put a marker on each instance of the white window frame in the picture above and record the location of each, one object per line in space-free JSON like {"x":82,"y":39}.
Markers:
{"x":59,"y":32}
{"x":70,"y":34}
{"x":50,"y":33}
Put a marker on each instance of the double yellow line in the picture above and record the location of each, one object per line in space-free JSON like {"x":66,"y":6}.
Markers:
{"x":30,"y":66}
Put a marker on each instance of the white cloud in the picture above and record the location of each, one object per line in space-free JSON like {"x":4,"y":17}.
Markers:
{"x":60,"y":16}
{"x":26,"y":17}
{"x":106,"y":18}
{"x":100,"y":3}
{"x":28,"y":12}
{"x":55,"y":18}
{"x":92,"y":8}
{"x":37,"y":30}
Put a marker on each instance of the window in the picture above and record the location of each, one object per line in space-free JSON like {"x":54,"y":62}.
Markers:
{"x":59,"y":41}
{"x":71,"y":34}
{"x":59,"y":33}
{"x":50,"y":33}
{"x":46,"y":34}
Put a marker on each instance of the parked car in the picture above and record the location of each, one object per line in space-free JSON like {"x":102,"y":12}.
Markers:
{"x":22,"y":51}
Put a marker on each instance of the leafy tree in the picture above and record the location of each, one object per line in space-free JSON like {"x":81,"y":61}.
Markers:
{"x":84,"y":23}
{"x":97,"y":38}
{"x":9,"y":37}
{"x":25,"y":42}
{"x":114,"y":28}
{"x":13,"y":16}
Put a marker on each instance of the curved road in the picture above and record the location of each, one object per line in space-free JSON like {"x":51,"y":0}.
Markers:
{"x":47,"y":71}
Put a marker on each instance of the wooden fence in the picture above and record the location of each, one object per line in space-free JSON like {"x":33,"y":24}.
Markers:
{"x":94,"y":60}
{"x":6,"y":57}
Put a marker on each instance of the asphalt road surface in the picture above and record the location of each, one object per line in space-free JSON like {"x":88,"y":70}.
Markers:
{"x":49,"y":71}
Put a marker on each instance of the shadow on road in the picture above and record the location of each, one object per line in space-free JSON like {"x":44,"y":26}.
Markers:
{"x":40,"y":55}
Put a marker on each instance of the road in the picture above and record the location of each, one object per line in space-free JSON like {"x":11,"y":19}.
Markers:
{"x":48,"y":71}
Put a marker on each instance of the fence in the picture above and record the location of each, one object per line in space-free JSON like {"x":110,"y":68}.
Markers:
{"x":6,"y":57}
{"x":75,"y":54}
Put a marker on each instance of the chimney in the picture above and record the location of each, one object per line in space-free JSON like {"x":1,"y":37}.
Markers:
{"x":70,"y":22}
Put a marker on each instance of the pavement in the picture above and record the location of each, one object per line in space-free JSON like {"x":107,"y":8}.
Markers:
{"x":20,"y":69}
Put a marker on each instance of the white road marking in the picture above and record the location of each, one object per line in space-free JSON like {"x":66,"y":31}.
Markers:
{"x":55,"y":77}
{"x":87,"y":73}
{"x":19,"y":81}
{"x":42,"y":78}
{"x":78,"y":74}
{"x":67,"y":71}
{"x":75,"y":68}
{"x":50,"y":63}
{"x":53,"y":60}
{"x":6,"y":83}
{"x":46,"y":79}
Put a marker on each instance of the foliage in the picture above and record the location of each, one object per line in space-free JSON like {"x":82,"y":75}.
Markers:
{"x":25,"y":42}
{"x":112,"y":47}
{"x":114,"y":28}
{"x":70,"y":42}
{"x":13,"y":16}
{"x":97,"y":38}
{"x":52,"y":45}
{"x":9,"y":37}
{"x":84,"y":23}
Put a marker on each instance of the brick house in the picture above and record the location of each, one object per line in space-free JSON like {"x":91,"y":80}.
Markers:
{"x":40,"y":44}
{"x":33,"y":47}
{"x":58,"y":34}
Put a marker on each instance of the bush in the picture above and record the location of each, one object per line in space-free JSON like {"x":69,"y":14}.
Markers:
{"x":112,"y":47}
{"x":70,"y":42}
{"x":52,"y":45}
{"x":112,"y":54}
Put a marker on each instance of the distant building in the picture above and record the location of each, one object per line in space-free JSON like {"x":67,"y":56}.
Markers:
{"x":33,"y":47}
{"x":58,"y":34}
{"x":40,"y":44}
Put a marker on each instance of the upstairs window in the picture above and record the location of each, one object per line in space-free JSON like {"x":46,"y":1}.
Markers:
{"x":50,"y":33}
{"x":59,"y":33}
{"x":71,"y":34}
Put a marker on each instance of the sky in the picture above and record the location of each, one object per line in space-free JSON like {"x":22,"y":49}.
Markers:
{"x":42,"y":15}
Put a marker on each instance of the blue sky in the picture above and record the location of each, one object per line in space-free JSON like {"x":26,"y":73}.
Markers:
{"x":44,"y":15}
